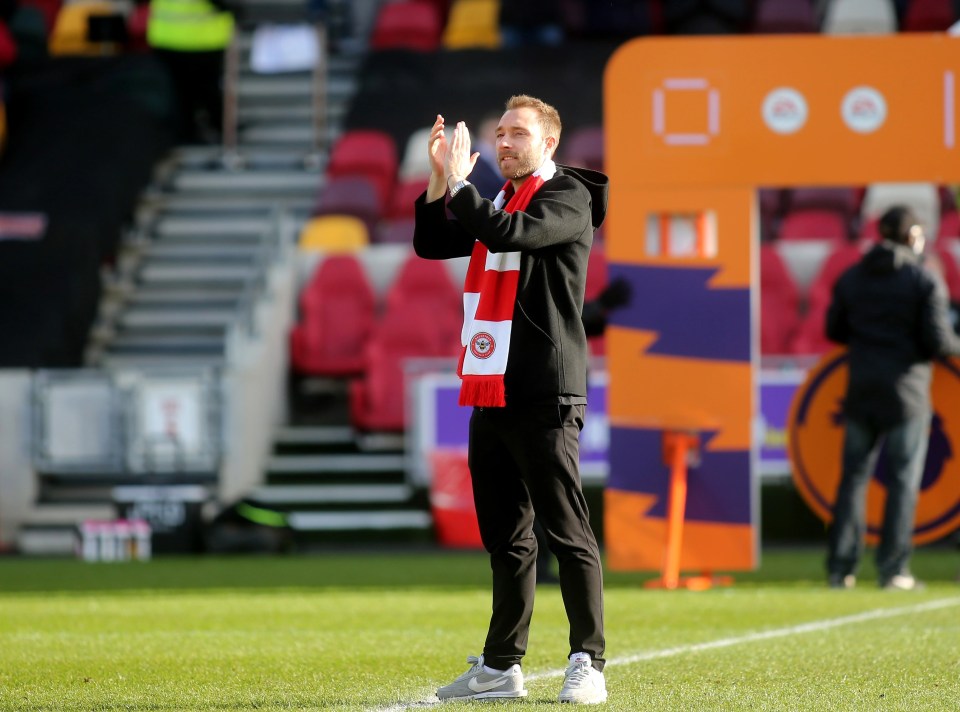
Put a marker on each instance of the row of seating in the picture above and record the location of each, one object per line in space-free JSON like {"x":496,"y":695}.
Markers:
{"x":429,"y":25}
{"x":793,"y":314}
{"x":366,"y":181}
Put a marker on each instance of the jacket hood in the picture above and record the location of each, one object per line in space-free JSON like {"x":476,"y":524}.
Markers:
{"x":599,"y":187}
{"x":887,"y":257}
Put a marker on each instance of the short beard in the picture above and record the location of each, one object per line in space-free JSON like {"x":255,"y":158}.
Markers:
{"x":525,"y":167}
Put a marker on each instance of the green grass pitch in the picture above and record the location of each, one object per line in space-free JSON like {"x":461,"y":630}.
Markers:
{"x":380,"y":631}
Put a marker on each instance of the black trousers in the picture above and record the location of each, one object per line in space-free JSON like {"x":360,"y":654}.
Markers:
{"x":526,"y":461}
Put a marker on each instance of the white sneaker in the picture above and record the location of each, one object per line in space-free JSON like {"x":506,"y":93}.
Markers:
{"x":478,"y":684}
{"x":583,"y":684}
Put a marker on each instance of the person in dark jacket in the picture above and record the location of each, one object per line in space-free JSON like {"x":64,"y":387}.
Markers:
{"x":524,"y":371}
{"x":892,"y":314}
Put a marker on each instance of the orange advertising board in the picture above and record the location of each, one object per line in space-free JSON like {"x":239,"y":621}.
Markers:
{"x":785,"y":110}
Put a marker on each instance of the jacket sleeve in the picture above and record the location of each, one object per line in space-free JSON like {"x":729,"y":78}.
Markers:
{"x":434,"y":236}
{"x":837,"y":325}
{"x":937,"y":337}
{"x":558,"y":213}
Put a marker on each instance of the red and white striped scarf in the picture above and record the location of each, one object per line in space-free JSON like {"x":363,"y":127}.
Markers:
{"x":489,"y":295}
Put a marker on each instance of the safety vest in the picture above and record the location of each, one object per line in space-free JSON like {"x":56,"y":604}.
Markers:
{"x":188,"y":26}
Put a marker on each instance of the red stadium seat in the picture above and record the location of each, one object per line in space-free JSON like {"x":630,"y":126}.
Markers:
{"x":949,"y":226}
{"x":395,"y":232}
{"x":405,"y":193}
{"x":597,"y":280}
{"x":368,"y":153}
{"x":427,"y":284}
{"x":810,"y":338}
{"x":378,"y":399}
{"x":813,"y":224}
{"x":841,"y":200}
{"x":407,"y":25}
{"x":942,"y":259}
{"x":928,"y":16}
{"x":779,"y":303}
{"x":337,"y":310}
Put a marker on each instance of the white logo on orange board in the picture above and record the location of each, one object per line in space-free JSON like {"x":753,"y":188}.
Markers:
{"x":785,"y":110}
{"x":864,"y":109}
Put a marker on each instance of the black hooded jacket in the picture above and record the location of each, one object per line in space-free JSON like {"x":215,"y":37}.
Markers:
{"x":892,"y":313}
{"x":547,"y":362}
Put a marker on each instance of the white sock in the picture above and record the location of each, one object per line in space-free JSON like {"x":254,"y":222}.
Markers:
{"x":581,"y":658}
{"x":512,"y":670}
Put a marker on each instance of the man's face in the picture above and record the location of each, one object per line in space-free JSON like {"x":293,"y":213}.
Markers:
{"x":521,"y":146}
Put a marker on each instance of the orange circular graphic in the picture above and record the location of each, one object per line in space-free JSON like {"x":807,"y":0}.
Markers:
{"x":815,"y":442}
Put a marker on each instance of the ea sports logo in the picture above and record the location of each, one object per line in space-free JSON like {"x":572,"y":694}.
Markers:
{"x":864,"y":109}
{"x":815,"y":439}
{"x":482,"y":345}
{"x":785,"y":110}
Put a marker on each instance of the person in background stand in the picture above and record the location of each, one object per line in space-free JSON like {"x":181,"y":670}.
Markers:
{"x":891,"y":312}
{"x":524,"y":371}
{"x":189,"y":37}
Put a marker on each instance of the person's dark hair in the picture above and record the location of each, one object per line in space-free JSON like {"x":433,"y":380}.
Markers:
{"x":895,"y":224}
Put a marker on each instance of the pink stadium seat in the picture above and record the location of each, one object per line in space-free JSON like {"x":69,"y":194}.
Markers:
{"x":928,"y":16}
{"x":584,"y":148}
{"x":813,"y":224}
{"x":427,"y":284}
{"x":779,"y":303}
{"x":369,"y":153}
{"x":869,"y":230}
{"x":378,"y":399}
{"x":784,"y":16}
{"x":597,"y":280}
{"x":337,"y":310}
{"x":350,"y":195}
{"x":409,"y":24}
{"x":8,"y":47}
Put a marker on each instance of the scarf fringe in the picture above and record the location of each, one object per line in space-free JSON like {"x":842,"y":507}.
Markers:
{"x":484,"y":391}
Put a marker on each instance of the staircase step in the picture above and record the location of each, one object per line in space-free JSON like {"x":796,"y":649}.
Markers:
{"x":197,"y":273}
{"x":364,"y":520}
{"x":340,"y":463}
{"x":331,"y":494}
{"x":181,"y":319}
{"x":314,"y":435}
{"x":259,"y":182}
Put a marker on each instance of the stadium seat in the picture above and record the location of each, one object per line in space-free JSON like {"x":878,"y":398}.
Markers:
{"x":8,"y":47}
{"x":942,"y":259}
{"x":949,"y":226}
{"x":70,"y":32}
{"x":334,"y":233}
{"x":584,"y":148}
{"x":369,"y":153}
{"x":784,"y":17}
{"x":779,"y":303}
{"x":410,"y":24}
{"x":415,"y":163}
{"x":472,"y":24}
{"x":427,"y":284}
{"x":842,"y":200}
{"x":859,"y":17}
{"x":813,"y":224}
{"x":396,"y":232}
{"x":337,"y":312}
{"x":350,"y":195}
{"x":378,"y":399}
{"x":137,"y":28}
{"x":928,"y":16}
{"x":810,"y":337}
{"x":405,"y":194}
{"x":922,"y":198}
{"x":597,"y":280}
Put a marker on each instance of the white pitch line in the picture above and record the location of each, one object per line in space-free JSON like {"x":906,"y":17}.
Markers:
{"x":812,"y":627}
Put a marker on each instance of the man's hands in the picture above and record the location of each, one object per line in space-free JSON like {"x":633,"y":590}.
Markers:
{"x":448,"y":160}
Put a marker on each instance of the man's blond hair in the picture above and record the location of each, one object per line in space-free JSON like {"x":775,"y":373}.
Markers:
{"x":549,"y":116}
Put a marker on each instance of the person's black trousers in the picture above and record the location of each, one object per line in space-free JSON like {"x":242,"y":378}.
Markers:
{"x":526,"y":461}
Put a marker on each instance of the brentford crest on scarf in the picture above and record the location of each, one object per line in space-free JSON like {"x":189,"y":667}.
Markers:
{"x":489,"y":295}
